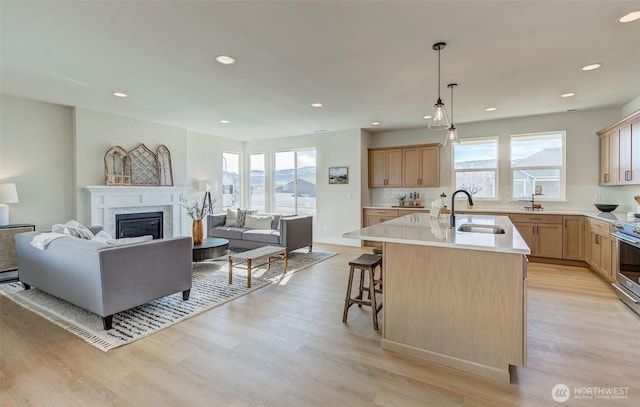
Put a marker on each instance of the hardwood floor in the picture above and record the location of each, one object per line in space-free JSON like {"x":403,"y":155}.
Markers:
{"x":285,"y":345}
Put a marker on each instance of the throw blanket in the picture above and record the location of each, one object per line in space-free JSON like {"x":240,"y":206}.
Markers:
{"x":42,"y":240}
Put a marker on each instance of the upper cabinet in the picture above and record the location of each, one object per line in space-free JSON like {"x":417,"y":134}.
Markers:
{"x":421,"y":166}
{"x":385,"y":167}
{"x":619,"y":152}
{"x":408,"y":166}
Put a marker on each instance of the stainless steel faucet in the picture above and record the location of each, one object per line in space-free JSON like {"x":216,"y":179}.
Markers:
{"x":452,"y":221}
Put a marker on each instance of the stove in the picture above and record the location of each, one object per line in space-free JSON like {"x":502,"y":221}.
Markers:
{"x":627,"y":287}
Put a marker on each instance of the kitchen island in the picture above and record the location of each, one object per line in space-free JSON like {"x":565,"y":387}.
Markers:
{"x":455,"y":298}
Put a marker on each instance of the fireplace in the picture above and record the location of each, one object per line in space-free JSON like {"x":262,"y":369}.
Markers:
{"x":109,"y":201}
{"x":139,"y":224}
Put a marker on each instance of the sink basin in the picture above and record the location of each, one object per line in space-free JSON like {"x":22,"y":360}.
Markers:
{"x":476,"y":228}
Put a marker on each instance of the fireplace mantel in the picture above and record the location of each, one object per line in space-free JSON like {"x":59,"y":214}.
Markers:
{"x":107,"y":200}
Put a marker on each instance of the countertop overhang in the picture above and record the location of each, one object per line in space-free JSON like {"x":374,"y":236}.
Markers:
{"x":422,"y":229}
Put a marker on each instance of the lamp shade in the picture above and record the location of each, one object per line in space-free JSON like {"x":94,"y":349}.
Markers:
{"x":204,"y":186}
{"x":8,"y":193}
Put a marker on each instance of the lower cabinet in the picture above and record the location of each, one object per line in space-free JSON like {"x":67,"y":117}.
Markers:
{"x":543,"y":233}
{"x":600,"y":249}
{"x":573,"y":237}
{"x":374,"y":216}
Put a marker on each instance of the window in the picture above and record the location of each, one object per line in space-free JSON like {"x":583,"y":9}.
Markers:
{"x":475,"y":166}
{"x":256,"y":182}
{"x":295,"y":182}
{"x":230,"y":180}
{"x":537,"y":165}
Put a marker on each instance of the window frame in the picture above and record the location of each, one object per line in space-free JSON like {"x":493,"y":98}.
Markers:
{"x":265,"y":179}
{"x":496,"y":169}
{"x":274,"y":185}
{"x":562,"y":167}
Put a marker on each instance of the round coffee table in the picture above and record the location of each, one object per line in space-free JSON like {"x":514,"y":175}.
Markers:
{"x":211,"y":248}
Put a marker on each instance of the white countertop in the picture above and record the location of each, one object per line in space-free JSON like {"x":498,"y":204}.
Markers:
{"x":421,"y":229}
{"x":604,"y":216}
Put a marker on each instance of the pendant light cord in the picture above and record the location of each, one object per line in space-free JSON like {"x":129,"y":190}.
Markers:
{"x":438,"y":73}
{"x":452,"y":105}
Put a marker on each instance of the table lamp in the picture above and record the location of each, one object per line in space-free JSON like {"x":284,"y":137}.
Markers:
{"x":8,"y":194}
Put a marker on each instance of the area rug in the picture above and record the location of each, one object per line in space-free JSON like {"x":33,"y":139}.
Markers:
{"x":210,"y":289}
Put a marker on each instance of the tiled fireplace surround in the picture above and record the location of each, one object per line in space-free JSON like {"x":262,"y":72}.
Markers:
{"x":109,"y":201}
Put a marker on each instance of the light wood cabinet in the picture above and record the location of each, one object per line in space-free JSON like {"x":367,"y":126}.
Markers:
{"x":405,"y":166}
{"x":385,"y":168}
{"x":600,"y":249}
{"x":374,"y":216}
{"x":421,"y":166}
{"x":619,"y":152}
{"x":543,"y":233}
{"x":573,"y":238}
{"x":604,"y":168}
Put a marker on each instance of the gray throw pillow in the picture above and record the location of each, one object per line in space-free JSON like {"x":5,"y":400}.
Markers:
{"x":242,"y":216}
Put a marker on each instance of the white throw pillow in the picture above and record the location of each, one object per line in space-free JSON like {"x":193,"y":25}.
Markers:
{"x":232,"y":216}
{"x":73,"y":228}
{"x":258,"y":221}
{"x":102,"y":236}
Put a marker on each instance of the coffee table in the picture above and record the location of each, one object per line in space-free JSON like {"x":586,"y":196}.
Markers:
{"x":262,"y":255}
{"x":210,"y":248}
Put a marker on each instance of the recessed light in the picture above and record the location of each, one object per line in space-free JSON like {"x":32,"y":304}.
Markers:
{"x":572,"y":110}
{"x":490,"y":109}
{"x":427,"y":117}
{"x":120,"y":94}
{"x":225,"y":121}
{"x":225,"y":60}
{"x":627,"y":18}
{"x":591,"y":67}
{"x":316,"y":104}
{"x":567,"y":95}
{"x":375,"y":123}
{"x":320,"y":131}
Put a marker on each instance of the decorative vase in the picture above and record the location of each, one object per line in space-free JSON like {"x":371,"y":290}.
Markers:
{"x":400,"y":202}
{"x":196,"y":231}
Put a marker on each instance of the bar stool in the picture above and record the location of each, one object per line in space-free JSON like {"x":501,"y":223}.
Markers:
{"x":377,"y":250}
{"x":366,"y":262}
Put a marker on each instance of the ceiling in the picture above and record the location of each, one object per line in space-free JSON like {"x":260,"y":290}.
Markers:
{"x":364,"y":60}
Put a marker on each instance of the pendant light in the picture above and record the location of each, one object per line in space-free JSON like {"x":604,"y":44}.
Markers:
{"x":439,"y":119}
{"x":452,"y":134}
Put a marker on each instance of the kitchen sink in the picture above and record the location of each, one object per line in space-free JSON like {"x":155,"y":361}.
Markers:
{"x":477,"y":228}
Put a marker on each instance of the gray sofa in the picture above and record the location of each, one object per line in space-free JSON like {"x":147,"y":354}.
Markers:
{"x":292,"y":232}
{"x":106,"y":279}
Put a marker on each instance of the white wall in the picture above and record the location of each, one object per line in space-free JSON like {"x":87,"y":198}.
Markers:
{"x":36,"y":154}
{"x":581,"y":155}
{"x":96,"y":132}
{"x":338,"y":206}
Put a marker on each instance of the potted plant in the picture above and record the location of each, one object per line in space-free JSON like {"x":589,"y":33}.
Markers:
{"x":401,"y":199}
{"x":197,"y":211}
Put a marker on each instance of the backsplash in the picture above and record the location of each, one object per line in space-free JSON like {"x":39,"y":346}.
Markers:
{"x":579,"y":198}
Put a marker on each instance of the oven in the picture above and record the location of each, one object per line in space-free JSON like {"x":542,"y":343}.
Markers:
{"x":627,"y":236}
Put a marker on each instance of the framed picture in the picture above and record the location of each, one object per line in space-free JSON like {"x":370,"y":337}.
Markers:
{"x":338,"y":175}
